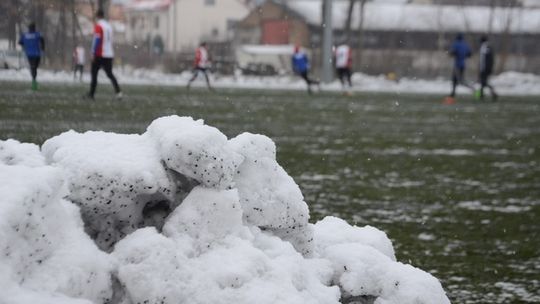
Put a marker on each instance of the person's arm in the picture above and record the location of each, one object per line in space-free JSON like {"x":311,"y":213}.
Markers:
{"x":98,"y":38}
{"x":197,"y":57}
{"x":293,"y":65}
{"x":482,"y":59}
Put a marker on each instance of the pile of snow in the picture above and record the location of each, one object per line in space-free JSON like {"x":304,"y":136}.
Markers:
{"x":44,"y":252}
{"x":507,"y":83}
{"x":182,"y":214}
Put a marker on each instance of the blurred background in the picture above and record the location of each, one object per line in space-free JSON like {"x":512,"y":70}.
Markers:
{"x":401,"y":38}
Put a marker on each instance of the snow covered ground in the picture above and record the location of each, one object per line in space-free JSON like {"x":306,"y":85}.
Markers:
{"x":509,"y":83}
{"x":180,"y":214}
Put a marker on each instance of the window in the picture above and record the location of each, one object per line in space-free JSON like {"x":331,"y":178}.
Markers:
{"x":209,"y":2}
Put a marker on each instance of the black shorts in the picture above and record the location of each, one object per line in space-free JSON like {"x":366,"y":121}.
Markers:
{"x":343,"y":72}
{"x":34,"y":62}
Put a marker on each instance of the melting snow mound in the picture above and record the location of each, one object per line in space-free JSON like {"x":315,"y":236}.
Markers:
{"x":180,"y":214}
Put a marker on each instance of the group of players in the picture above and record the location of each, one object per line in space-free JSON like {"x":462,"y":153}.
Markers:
{"x":459,"y":50}
{"x":102,"y":53}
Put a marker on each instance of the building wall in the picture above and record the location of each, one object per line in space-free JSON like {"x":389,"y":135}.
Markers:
{"x":144,"y":26}
{"x":272,"y":24}
{"x":202,"y":20}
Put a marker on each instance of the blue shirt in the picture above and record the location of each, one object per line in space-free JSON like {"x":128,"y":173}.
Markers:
{"x":300,"y":62}
{"x":461,"y":51}
{"x":31,"y":42}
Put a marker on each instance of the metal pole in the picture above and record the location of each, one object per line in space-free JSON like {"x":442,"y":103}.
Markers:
{"x":327,"y":62}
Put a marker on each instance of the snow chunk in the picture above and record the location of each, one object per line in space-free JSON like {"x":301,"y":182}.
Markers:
{"x":405,"y":284}
{"x":269,"y":196}
{"x":332,"y":231}
{"x":206,"y":215}
{"x":43,"y":247}
{"x":364,"y":264}
{"x":193,"y":261}
{"x":195,"y":150}
{"x":13,"y":152}
{"x":117,"y":180}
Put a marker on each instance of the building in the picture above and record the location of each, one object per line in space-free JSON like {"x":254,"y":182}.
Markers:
{"x":273,"y":23}
{"x":408,"y":38}
{"x":182,"y":24}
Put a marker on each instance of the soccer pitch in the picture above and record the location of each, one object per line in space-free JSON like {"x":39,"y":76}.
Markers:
{"x":456,"y":187}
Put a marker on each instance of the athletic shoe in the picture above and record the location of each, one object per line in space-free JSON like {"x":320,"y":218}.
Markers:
{"x":449,"y":100}
{"x":34,"y":85}
{"x":478,"y":94}
{"x":119,"y":95}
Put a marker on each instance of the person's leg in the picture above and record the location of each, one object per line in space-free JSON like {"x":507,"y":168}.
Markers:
{"x":205,"y":72}
{"x":32,"y":62}
{"x":349,"y":76}
{"x":454,"y":82}
{"x":462,"y":80}
{"x":483,"y":83}
{"x":307,"y":80}
{"x":78,"y":69}
{"x":312,"y":81}
{"x":107,"y":66}
{"x":193,"y":77}
{"x":494,"y":95}
{"x":341,"y":76}
{"x":96,"y":64}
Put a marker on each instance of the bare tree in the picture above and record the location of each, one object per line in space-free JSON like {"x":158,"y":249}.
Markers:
{"x":348,"y":21}
{"x":465,"y":18}
{"x":509,"y":14}
{"x":361,"y":31}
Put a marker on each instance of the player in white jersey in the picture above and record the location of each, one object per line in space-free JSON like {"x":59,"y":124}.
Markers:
{"x":344,"y":64}
{"x":79,"y":58}
{"x":102,"y":54}
{"x":201,"y":65}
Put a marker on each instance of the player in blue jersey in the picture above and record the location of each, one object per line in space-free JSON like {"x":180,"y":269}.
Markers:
{"x":460,"y":50}
{"x":300,"y":66}
{"x":33,"y":45}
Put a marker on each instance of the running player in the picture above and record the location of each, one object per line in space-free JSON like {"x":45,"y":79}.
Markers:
{"x":201,"y":65}
{"x":33,"y":45}
{"x":102,"y":54}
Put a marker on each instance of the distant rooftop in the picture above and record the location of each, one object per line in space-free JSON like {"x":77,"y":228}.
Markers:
{"x":146,"y":5}
{"x":385,"y":15}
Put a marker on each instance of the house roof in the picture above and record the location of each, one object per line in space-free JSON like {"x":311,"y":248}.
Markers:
{"x":147,"y":5}
{"x":419,"y":17}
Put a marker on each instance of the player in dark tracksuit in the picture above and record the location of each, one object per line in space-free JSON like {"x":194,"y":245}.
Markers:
{"x":487,"y":59}
{"x":300,"y":66}
{"x":33,"y":44}
{"x":460,"y":50}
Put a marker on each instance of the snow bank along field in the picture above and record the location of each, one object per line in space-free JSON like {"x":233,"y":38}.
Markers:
{"x":180,"y":214}
{"x":507,"y":83}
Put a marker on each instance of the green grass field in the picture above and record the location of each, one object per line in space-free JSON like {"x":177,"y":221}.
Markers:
{"x":457,"y":188}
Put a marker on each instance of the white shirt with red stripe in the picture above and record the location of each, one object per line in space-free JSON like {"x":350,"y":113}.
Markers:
{"x":103,"y":40}
{"x":201,"y":58}
{"x":343,"y":56}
